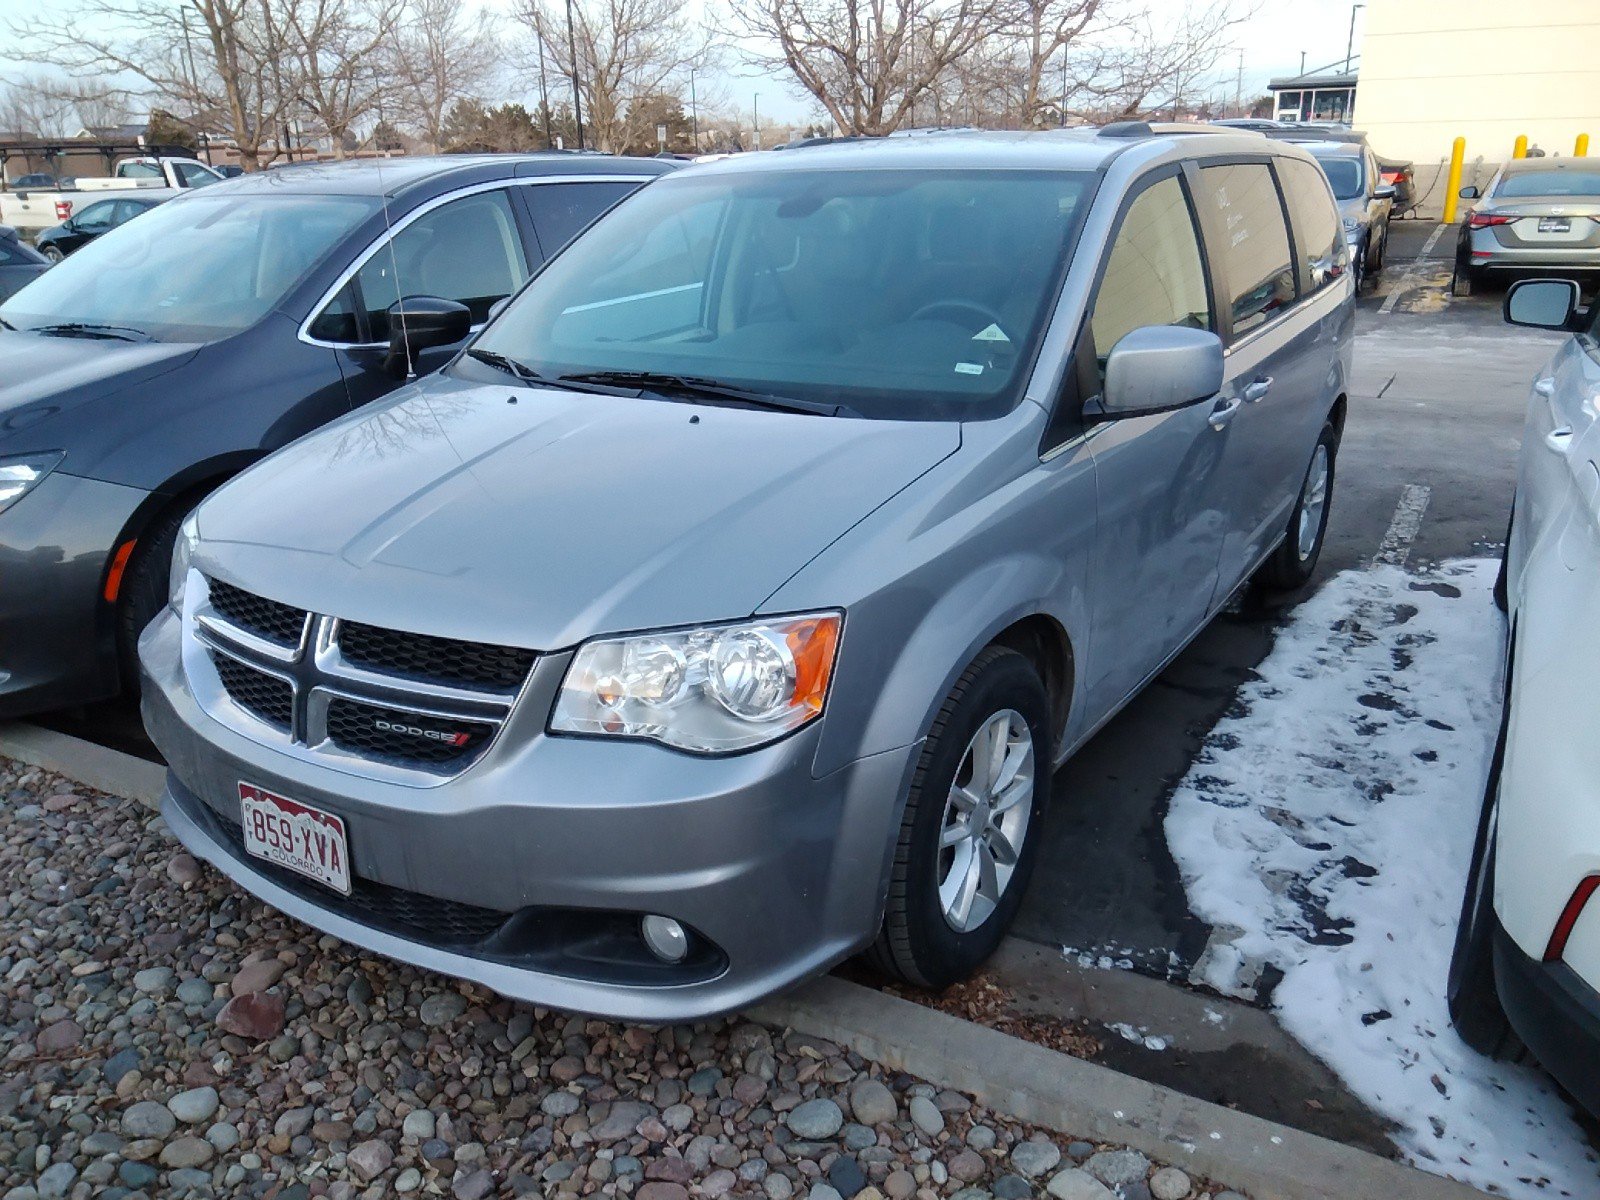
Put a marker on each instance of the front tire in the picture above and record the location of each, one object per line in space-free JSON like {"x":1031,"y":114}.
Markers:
{"x":53,"y":253}
{"x":969,"y":836}
{"x":1295,"y":560}
{"x":144,"y":589}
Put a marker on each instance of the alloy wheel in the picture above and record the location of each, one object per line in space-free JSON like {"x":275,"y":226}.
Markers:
{"x":985,"y":821}
{"x":1313,"y":501}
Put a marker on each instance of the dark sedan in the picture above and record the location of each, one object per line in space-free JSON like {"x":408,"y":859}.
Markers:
{"x":20,"y":263}
{"x":173,"y":352}
{"x":96,"y":219}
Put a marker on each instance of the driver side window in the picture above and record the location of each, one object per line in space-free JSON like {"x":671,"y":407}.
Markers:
{"x":468,"y":250}
{"x":96,"y":218}
{"x":1155,"y":275}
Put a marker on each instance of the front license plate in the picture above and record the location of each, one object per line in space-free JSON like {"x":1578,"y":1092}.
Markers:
{"x":295,"y":836}
{"x":1555,"y":225}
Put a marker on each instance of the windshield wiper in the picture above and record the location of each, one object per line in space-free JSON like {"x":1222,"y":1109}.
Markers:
{"x":531,"y":377}
{"x":84,"y":329}
{"x":710,"y":389}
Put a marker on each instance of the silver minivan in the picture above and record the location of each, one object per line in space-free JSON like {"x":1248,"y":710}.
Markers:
{"x":725,"y":608}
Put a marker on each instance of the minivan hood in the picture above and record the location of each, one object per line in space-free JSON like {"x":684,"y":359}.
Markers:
{"x":539,"y":518}
{"x":41,"y":375}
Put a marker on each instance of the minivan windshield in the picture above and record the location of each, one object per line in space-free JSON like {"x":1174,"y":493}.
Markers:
{"x":195,"y":269}
{"x":907,"y":293}
{"x":1344,"y":174}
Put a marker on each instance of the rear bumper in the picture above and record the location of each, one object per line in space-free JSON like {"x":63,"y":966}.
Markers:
{"x":1486,"y":252}
{"x":57,"y":635}
{"x":1555,"y":1013}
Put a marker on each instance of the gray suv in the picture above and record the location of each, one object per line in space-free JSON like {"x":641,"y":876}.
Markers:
{"x":726,"y":606}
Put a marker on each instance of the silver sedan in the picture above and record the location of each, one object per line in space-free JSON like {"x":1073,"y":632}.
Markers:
{"x":1541,"y":213}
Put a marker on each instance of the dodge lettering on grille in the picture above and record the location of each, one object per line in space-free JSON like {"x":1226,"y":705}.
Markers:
{"x":436,"y":735}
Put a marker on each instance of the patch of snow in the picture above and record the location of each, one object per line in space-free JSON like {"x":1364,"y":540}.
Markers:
{"x":1137,"y":1036}
{"x":1325,"y":830}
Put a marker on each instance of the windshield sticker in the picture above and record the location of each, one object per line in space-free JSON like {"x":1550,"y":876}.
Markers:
{"x":969,"y":368}
{"x":992,"y":334}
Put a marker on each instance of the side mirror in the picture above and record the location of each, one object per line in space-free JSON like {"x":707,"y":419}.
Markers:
{"x":1470,"y":193}
{"x":418,"y":323}
{"x":1161,"y":367}
{"x":1542,"y":303}
{"x":1384,"y":192}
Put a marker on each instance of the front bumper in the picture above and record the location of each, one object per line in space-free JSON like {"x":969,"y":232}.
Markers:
{"x":57,"y":635}
{"x":1555,"y":1013}
{"x":563,"y":843}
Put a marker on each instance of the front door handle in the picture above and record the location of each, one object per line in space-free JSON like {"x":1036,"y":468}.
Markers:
{"x":1559,"y":440}
{"x":1224,"y":412}
{"x":1258,"y":388}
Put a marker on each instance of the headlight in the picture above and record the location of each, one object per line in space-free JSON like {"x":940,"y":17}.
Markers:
{"x":710,"y":690}
{"x":19,"y":475}
{"x":182,"y":552}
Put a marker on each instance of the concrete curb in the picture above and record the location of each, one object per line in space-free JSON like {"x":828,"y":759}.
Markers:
{"x":103,"y":769}
{"x":1028,"y":1082}
{"x":1264,"y":1160}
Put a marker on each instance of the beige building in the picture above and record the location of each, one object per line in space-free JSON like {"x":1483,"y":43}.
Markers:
{"x":1485,"y":70}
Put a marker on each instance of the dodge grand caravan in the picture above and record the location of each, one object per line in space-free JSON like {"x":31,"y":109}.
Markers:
{"x":726,"y":606}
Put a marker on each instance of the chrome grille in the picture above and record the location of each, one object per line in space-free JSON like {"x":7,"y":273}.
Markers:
{"x":444,"y":660}
{"x":410,"y":706}
{"x":267,"y":619}
{"x":266,"y":696}
{"x":382,"y":732}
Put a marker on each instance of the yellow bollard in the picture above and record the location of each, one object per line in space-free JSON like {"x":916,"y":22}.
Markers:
{"x":1581,"y":150}
{"x":1452,"y":187}
{"x":1520,"y":148}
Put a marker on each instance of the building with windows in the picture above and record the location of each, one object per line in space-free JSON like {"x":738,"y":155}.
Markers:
{"x":1328,"y":94}
{"x":1435,"y":70}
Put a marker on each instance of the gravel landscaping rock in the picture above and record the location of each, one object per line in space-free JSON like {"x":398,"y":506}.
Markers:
{"x":163,"y":1034}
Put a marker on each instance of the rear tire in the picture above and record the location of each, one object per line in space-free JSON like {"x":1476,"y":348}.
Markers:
{"x":1464,"y":281}
{"x":1471,"y":993}
{"x":1293,"y":563}
{"x":1381,"y":254}
{"x":144,"y":589}
{"x":927,"y":939}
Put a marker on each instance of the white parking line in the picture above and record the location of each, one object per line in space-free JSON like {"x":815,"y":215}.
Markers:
{"x":1396,"y":545}
{"x":1412,"y":271}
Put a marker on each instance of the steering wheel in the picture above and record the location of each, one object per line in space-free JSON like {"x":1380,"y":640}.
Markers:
{"x":987,"y":316}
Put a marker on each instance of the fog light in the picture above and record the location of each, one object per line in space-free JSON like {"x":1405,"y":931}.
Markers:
{"x":665,"y":937}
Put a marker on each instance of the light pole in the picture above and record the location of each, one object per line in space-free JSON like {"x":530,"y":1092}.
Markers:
{"x":1238,"y":87}
{"x":755,"y":131}
{"x":1063,"y":124}
{"x":577,"y":100}
{"x":694,"y":112}
{"x":1350,"y":45}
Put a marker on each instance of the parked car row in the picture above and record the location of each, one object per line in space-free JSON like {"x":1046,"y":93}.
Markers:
{"x":1536,"y":213}
{"x":782,"y":533}
{"x":31,"y":210}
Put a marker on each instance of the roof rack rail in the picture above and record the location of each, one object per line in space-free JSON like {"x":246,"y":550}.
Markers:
{"x":1126,"y":129}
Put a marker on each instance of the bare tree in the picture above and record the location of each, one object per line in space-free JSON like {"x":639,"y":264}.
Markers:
{"x":32,"y":106}
{"x":442,"y":53}
{"x":1046,"y":28}
{"x":1145,"y":64}
{"x":220,"y":58}
{"x":628,"y":52}
{"x":340,"y":60}
{"x":868,"y":62}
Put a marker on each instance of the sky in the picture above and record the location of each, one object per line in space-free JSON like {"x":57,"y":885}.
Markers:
{"x":1272,"y":43}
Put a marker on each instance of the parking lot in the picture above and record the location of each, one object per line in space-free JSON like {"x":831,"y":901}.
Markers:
{"x":1121,"y":930}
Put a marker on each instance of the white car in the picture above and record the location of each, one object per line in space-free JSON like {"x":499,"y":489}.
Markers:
{"x":1526,"y":971}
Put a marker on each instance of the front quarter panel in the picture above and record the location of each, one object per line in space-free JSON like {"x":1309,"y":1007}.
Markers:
{"x":979,"y":543}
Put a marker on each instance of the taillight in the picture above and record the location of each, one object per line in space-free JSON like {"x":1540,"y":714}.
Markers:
{"x":1392,"y":177}
{"x":63,"y":209}
{"x":1557,"y":946}
{"x":1484,"y":220}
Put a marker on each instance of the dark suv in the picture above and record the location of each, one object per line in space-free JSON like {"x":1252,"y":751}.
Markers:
{"x":173,"y":352}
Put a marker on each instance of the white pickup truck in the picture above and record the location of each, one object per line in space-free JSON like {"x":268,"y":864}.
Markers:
{"x":31,"y":211}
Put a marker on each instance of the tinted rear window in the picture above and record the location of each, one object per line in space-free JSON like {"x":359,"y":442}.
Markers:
{"x":1550,"y":183}
{"x":1255,"y":247}
{"x":1319,"y":238}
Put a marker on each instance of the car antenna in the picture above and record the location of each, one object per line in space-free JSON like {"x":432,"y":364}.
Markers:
{"x":394,"y":265}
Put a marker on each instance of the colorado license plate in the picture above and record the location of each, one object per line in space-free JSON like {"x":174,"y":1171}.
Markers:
{"x":296,"y":836}
{"x":1555,"y":225}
